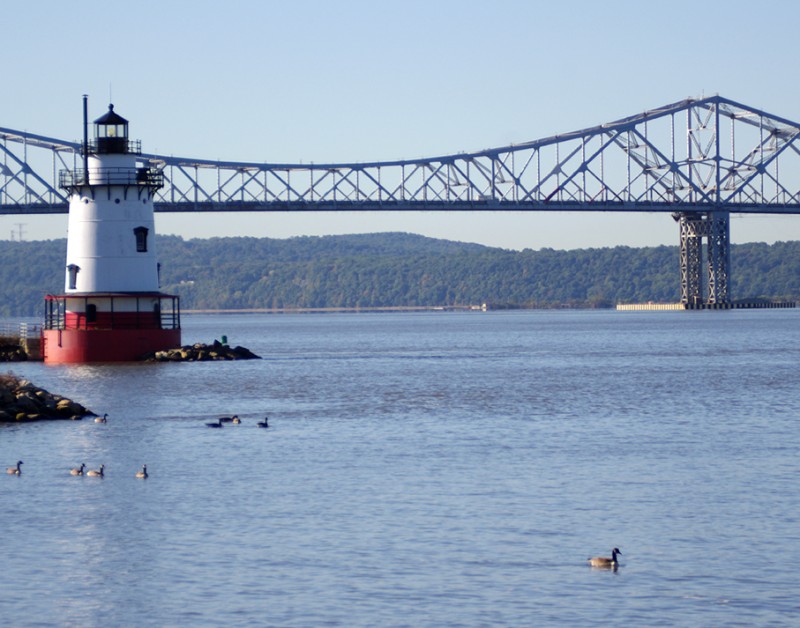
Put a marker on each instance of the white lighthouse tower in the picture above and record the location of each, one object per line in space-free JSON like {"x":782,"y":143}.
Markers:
{"x":112,"y":309}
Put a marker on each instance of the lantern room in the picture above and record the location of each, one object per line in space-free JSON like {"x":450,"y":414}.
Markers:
{"x":111,"y":133}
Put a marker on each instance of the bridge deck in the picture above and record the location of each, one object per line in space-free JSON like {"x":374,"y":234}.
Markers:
{"x":416,"y":206}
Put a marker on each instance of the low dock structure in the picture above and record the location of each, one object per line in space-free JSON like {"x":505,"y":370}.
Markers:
{"x":650,"y":307}
{"x":20,"y":342}
{"x":756,"y":304}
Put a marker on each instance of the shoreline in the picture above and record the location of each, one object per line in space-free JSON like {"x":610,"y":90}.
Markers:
{"x":333,"y":310}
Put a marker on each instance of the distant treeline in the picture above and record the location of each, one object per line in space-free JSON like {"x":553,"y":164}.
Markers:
{"x":398,"y":269}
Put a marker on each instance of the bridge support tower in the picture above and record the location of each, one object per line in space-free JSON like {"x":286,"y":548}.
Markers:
{"x":714,"y":226}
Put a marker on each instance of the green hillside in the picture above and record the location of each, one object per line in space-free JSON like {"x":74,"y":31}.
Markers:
{"x":399,"y":269}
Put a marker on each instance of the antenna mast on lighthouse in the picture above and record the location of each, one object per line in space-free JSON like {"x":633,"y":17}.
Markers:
{"x":85,"y":146}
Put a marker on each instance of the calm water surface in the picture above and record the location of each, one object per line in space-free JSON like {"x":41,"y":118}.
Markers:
{"x":441,"y":469}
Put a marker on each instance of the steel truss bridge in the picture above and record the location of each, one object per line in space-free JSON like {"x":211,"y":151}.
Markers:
{"x":698,"y":159}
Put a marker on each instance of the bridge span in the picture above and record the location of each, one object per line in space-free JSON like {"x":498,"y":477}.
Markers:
{"x":697,"y":159}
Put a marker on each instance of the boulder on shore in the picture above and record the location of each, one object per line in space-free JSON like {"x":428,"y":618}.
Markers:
{"x":21,"y":401}
{"x":200,"y":352}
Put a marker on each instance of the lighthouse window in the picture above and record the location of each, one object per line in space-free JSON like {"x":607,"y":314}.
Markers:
{"x":91,"y":313}
{"x":73,"y":269}
{"x":141,"y":239}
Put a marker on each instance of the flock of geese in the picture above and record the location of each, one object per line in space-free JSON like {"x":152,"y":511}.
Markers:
{"x":235,"y":420}
{"x":81,"y":470}
{"x":100,"y":472}
{"x":598,"y":562}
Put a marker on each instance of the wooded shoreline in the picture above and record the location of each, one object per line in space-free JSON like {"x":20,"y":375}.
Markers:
{"x":401,"y":272}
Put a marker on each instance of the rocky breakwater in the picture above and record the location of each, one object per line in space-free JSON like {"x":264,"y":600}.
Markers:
{"x":200,"y":352}
{"x":21,"y":401}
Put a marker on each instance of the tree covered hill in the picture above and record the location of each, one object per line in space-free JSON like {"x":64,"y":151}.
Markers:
{"x":399,"y":269}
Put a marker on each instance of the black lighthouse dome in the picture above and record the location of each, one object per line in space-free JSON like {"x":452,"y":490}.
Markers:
{"x":111,"y":132}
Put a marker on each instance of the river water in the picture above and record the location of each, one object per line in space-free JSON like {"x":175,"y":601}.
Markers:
{"x":427,"y":469}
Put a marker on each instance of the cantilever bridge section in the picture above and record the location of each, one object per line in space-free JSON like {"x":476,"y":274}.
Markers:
{"x":698,"y":159}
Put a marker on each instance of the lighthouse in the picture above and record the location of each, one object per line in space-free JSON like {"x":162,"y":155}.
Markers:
{"x":112,"y":309}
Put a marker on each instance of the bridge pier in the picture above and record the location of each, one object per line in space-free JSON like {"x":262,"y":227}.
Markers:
{"x":714,"y":226}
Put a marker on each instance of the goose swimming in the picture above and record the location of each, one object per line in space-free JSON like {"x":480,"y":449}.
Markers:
{"x":97,"y":473}
{"x":230,"y":419}
{"x":263,"y":423}
{"x":78,"y":470}
{"x":143,"y":473}
{"x":217,"y":424}
{"x":15,"y":470}
{"x":102,"y":419}
{"x":604,"y":562}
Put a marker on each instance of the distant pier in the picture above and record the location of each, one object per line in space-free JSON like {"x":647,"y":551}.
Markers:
{"x":739,"y":305}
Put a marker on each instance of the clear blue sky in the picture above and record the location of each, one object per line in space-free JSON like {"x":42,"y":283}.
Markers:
{"x":368,"y":80}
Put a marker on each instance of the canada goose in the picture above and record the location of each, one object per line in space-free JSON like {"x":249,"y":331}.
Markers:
{"x":15,"y":470}
{"x":143,"y":473}
{"x":235,"y":420}
{"x":263,"y":423}
{"x":605,"y":562}
{"x":97,"y":473}
{"x":79,"y":470}
{"x":230,"y":419}
{"x":218,"y":424}
{"x":102,"y":419}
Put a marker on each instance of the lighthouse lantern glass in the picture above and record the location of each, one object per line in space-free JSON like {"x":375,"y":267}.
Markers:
{"x":110,"y":130}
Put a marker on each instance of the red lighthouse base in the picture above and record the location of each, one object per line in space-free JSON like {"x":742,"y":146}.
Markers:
{"x":78,"y":346}
{"x":109,"y":327}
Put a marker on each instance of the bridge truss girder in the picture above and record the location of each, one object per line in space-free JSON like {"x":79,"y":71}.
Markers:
{"x":692,"y":155}
{"x":696,"y":153}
